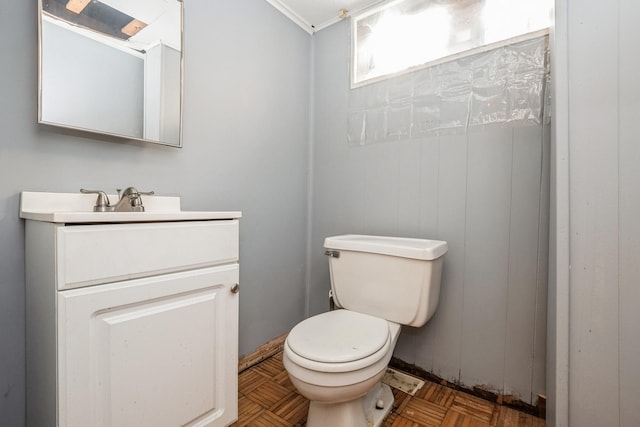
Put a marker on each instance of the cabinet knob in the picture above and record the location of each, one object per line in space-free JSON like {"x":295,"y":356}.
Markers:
{"x":235,"y":288}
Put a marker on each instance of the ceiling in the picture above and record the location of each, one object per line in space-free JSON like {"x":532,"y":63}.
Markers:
{"x":314,"y":15}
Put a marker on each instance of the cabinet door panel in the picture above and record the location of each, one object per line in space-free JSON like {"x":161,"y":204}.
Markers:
{"x":159,"y":351}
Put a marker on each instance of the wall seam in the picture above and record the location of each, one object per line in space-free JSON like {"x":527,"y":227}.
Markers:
{"x":464,"y":255}
{"x":537,"y":302}
{"x":310,"y":173}
{"x":508,"y":281}
{"x":618,"y":125}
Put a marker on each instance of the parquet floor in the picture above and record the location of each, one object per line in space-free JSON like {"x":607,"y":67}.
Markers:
{"x":268,"y":399}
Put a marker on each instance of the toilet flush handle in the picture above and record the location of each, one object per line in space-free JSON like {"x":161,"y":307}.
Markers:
{"x":332,"y":254}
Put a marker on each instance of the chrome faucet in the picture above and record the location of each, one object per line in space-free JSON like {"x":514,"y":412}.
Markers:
{"x":128,"y":201}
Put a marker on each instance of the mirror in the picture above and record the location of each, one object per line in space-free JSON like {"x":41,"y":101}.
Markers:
{"x":112,"y":67}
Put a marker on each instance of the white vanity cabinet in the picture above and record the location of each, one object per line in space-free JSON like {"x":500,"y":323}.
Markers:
{"x":132,"y":323}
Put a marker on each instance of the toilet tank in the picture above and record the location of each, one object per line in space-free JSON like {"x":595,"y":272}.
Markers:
{"x":394,"y":278}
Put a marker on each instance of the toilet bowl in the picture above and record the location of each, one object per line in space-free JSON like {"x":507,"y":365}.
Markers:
{"x":337,"y":359}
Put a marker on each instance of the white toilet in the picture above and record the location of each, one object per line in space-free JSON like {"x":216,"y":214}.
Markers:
{"x":337,"y":359}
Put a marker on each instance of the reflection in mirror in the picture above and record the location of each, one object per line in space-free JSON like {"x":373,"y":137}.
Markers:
{"x":112,"y":67}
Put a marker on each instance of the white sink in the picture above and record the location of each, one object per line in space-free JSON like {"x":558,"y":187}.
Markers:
{"x":78,"y":208}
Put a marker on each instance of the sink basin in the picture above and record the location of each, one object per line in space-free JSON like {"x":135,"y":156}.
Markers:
{"x":72,"y":208}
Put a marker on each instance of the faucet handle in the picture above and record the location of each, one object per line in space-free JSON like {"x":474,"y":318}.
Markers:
{"x":102,"y":202}
{"x":131,"y":191}
{"x":136,"y":204}
{"x":133,"y":198}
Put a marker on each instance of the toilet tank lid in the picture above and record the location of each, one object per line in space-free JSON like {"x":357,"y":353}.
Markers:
{"x":395,"y":246}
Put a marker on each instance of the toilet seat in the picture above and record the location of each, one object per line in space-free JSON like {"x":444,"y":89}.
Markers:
{"x":338,"y":341}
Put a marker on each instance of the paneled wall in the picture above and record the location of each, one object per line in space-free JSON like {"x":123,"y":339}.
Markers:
{"x":598,"y":101}
{"x":484,"y":191}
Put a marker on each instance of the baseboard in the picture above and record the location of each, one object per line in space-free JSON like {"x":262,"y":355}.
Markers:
{"x":261,"y":353}
{"x":538,"y":410}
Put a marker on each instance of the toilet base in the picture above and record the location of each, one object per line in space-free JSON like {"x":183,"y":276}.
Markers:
{"x":361,"y":412}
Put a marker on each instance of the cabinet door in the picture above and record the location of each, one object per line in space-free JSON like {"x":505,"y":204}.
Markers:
{"x":158,"y":351}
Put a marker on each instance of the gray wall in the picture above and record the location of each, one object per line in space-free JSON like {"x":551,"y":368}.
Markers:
{"x":594,"y":334}
{"x":484,"y":192}
{"x":245,"y":148}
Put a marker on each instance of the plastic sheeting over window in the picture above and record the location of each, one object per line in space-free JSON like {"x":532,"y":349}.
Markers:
{"x":506,"y":85}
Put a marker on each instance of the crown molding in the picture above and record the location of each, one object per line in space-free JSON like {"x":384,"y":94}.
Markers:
{"x":286,"y":11}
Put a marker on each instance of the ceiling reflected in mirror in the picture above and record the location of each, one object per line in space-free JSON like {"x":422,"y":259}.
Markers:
{"x":97,"y":16}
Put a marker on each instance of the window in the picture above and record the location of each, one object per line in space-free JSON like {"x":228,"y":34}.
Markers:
{"x":407,"y":34}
